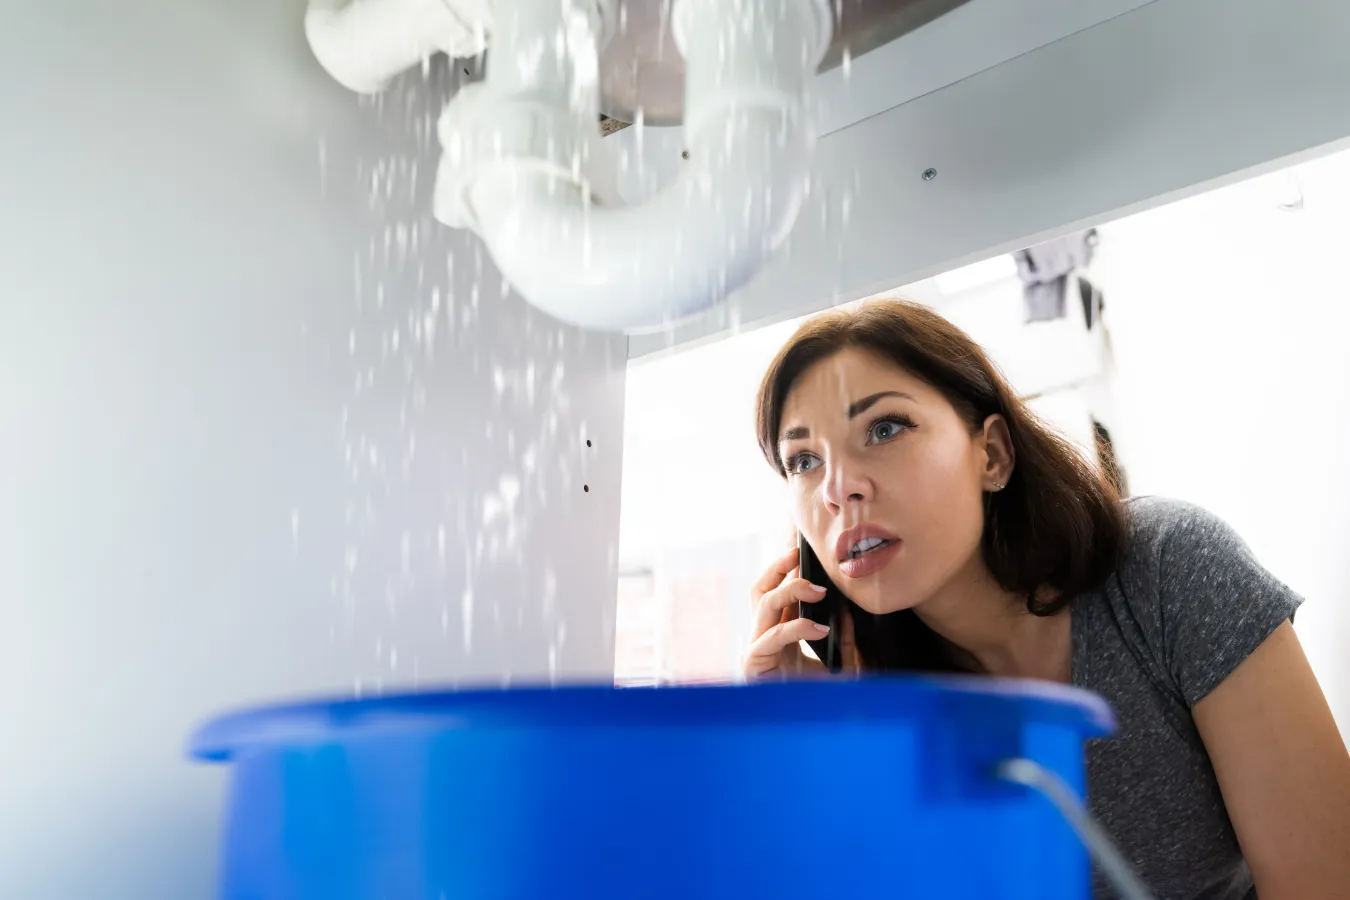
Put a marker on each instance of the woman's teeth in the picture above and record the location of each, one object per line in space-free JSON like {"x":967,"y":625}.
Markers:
{"x":865,"y":546}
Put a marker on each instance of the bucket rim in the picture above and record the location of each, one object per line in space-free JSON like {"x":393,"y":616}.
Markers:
{"x":877,"y":700}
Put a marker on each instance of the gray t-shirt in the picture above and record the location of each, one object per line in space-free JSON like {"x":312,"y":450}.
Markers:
{"x":1187,"y":605}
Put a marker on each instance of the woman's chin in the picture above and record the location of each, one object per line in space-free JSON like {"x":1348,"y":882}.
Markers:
{"x":880,"y":598}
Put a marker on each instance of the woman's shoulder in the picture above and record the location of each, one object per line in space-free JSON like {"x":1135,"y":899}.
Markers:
{"x":1164,"y":529}
{"x":1177,"y":552}
{"x":1153,"y":515}
{"x":1199,"y":593}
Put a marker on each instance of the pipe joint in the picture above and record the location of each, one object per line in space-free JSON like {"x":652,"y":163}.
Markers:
{"x":486,"y":135}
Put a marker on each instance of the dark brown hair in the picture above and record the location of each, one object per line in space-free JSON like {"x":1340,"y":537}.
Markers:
{"x":1058,"y":524}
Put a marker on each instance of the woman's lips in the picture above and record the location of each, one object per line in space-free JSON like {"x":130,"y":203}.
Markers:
{"x":870,"y":563}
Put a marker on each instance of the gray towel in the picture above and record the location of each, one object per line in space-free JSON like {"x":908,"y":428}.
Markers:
{"x":1045,"y":271}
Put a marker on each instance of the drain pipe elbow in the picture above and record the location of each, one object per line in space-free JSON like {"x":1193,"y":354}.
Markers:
{"x":517,"y":145}
{"x":363,"y":44}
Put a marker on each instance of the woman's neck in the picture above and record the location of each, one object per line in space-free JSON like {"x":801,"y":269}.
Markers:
{"x":993,"y":630}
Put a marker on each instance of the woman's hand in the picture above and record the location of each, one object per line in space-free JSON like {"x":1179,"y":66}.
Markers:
{"x":777,"y":631}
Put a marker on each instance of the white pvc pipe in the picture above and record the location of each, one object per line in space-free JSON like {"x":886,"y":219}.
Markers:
{"x":365,"y":43}
{"x":736,"y":199}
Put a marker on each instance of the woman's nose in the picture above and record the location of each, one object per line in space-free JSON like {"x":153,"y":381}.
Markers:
{"x":846,"y":484}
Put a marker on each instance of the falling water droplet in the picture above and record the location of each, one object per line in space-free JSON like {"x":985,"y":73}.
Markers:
{"x":323,"y":166}
{"x":847,"y":64}
{"x":466,"y":612}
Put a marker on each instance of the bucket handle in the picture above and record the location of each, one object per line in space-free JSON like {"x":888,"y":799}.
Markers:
{"x":1099,"y":846}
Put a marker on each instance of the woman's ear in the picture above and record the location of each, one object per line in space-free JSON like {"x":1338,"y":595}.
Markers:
{"x":999,"y":456}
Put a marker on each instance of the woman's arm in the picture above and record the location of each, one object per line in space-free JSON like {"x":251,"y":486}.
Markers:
{"x":1283,"y":770}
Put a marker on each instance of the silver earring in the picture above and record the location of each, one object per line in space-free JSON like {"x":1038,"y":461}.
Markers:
{"x":998,"y":486}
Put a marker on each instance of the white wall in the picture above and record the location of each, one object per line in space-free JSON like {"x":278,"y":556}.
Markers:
{"x":185,"y":201}
{"x":698,"y":498}
{"x":693,"y":472}
{"x":1230,"y":319}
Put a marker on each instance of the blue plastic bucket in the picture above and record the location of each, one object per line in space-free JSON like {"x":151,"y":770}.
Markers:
{"x":877,"y":788}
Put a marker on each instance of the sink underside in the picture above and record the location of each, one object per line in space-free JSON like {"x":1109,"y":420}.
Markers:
{"x":641,"y":69}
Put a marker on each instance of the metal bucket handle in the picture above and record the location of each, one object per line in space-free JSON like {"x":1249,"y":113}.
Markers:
{"x":1099,"y":846}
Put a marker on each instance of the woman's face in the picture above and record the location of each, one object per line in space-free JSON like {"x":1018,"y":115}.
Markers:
{"x":887,"y":479}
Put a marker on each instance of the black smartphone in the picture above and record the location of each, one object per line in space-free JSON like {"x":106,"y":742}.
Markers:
{"x":828,"y":610}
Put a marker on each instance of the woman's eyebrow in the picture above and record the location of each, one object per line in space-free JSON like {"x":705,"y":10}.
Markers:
{"x":858,"y":407}
{"x":855,"y":409}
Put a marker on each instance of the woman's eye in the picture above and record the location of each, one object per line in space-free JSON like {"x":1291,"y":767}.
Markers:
{"x":801,"y":463}
{"x":886,"y":429}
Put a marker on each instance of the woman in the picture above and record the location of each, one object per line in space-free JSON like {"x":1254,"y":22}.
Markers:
{"x":968,"y":536}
